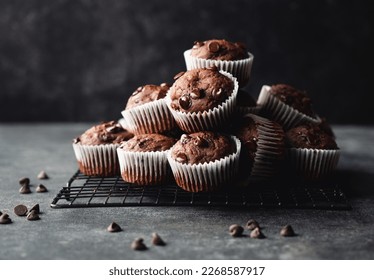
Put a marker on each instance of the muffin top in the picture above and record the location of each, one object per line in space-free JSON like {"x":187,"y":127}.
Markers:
{"x":293,"y":97}
{"x":311,"y":136}
{"x":202,"y":147}
{"x":199,"y":90}
{"x":248,"y":135}
{"x":148,"y":143}
{"x":104,"y":133}
{"x":219,"y":50}
{"x":244,"y":99}
{"x":147,"y":93}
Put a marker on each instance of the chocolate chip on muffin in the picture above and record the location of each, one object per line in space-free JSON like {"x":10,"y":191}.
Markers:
{"x":147,"y":93}
{"x":219,"y":50}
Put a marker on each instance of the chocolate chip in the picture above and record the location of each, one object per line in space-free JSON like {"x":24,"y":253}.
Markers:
{"x":41,"y":188}
{"x":256,"y":233}
{"x":76,"y":140}
{"x":42,"y":175}
{"x":196,"y":94}
{"x":184,"y":101}
{"x":287,"y":231}
{"x":157,"y":240}
{"x":35,"y":208}
{"x":177,"y":76}
{"x":185,"y":138}
{"x":4,"y":219}
{"x":201,"y":142}
{"x":181,"y":157}
{"x":114,"y":227}
{"x":252,"y":224}
{"x":138,"y":245}
{"x":213,"y":46}
{"x":212,"y":67}
{"x":24,"y":181}
{"x":20,"y":210}
{"x":25,"y":189}
{"x":32,"y":216}
{"x":218,"y":94}
{"x":236,"y":230}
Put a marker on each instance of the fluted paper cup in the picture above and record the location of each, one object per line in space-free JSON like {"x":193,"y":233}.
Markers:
{"x":280,"y":112}
{"x":206,"y":120}
{"x":208,"y":176}
{"x":144,"y":168}
{"x":97,"y":160}
{"x":241,"y":69}
{"x":152,"y":117}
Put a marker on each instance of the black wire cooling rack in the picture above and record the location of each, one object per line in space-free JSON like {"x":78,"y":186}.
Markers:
{"x":89,"y":191}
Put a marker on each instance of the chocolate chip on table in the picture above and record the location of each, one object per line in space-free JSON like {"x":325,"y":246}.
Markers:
{"x":35,"y":208}
{"x":256,"y":233}
{"x":20,"y":210}
{"x":236,"y":230}
{"x":252,"y":224}
{"x":24,"y":181}
{"x":4,"y":219}
{"x":287,"y":231}
{"x":25,"y":189}
{"x":157,"y":240}
{"x":138,"y":245}
{"x":114,"y":227}
{"x":32,"y":216}
{"x":42,"y":175}
{"x":184,"y":101}
{"x":41,"y":188}
{"x":177,"y":76}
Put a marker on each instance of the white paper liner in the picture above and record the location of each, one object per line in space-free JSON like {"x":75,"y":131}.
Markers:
{"x":280,"y":112}
{"x":123,"y":123}
{"x":152,"y":117}
{"x":312,"y":163}
{"x":144,"y":168}
{"x":241,"y":69}
{"x":97,"y":160}
{"x":206,"y":120}
{"x":208,"y":176}
{"x":270,"y":148}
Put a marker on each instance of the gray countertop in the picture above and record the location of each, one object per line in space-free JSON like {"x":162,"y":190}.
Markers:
{"x":190,"y":233}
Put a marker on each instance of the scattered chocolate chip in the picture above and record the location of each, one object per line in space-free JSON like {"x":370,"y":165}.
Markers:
{"x":213,"y":46}
{"x":157,"y":240}
{"x":201,"y":142}
{"x":24,"y":181}
{"x":138,"y":245}
{"x":181,"y":157}
{"x":76,"y":140}
{"x":20,"y":210}
{"x":114,"y":227}
{"x":41,"y":188}
{"x":42,"y":175}
{"x":35,"y":208}
{"x":32,"y":216}
{"x":4,"y":219}
{"x":177,"y":76}
{"x":256,"y":233}
{"x":185,"y":138}
{"x":236,"y":230}
{"x":252,"y":224}
{"x":25,"y":189}
{"x":217,"y":94}
{"x":185,"y":102}
{"x":196,"y":94}
{"x":287,"y":231}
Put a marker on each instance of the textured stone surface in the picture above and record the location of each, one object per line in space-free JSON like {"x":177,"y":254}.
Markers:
{"x":190,"y":233}
{"x":79,"y":60}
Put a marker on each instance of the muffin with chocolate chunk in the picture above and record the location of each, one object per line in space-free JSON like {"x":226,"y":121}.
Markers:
{"x":202,"y":99}
{"x":263,"y":146}
{"x":286,"y":105}
{"x":95,"y":149}
{"x":311,"y":151}
{"x":204,"y":161}
{"x":146,"y":111}
{"x":143,"y":159}
{"x":231,"y":57}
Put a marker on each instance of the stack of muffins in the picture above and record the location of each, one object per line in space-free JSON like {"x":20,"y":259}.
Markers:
{"x":205,"y":132}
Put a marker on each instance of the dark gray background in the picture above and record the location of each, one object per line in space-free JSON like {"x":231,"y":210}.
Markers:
{"x":78,"y":60}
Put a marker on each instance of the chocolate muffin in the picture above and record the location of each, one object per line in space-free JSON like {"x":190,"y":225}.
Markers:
{"x":219,"y":50}
{"x":146,"y":111}
{"x":286,"y":105}
{"x":312,"y":152}
{"x":201,"y":99}
{"x":143,"y":159}
{"x":95,"y":149}
{"x":227,"y":56}
{"x":204,"y":161}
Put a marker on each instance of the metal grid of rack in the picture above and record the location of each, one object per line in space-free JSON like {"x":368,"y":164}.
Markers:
{"x":90,"y":191}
